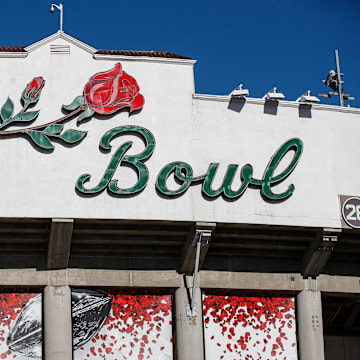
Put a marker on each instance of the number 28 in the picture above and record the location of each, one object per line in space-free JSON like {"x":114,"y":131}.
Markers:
{"x":354,"y":213}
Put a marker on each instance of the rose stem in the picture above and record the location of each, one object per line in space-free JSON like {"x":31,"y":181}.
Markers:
{"x":66,"y":117}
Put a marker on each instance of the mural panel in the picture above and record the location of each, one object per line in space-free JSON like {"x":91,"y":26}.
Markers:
{"x":20,"y":325}
{"x":121,"y":326}
{"x":249,"y":327}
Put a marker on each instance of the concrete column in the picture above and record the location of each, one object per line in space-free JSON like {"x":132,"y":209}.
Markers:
{"x":189,"y":330}
{"x":309,"y":320}
{"x":57,"y":323}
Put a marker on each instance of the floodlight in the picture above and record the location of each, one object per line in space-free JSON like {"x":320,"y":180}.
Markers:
{"x":239,"y":92}
{"x":307,"y":98}
{"x":273,"y":95}
{"x":332,"y":80}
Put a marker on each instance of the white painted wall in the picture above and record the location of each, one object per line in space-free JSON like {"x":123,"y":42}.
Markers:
{"x":197,"y":130}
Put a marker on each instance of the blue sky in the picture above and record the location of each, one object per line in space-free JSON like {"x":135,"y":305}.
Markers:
{"x":261,"y":43}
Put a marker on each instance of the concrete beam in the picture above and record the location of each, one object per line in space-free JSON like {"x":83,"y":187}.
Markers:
{"x":318,"y":254}
{"x":188,"y":253}
{"x":23,"y":277}
{"x":124,"y":278}
{"x":59,"y":243}
{"x":171,"y":279}
{"x":339,"y":284}
{"x":250,"y":281}
{"x":88,"y":277}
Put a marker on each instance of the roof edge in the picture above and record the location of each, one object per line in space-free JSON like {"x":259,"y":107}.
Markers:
{"x":151,"y":53}
{"x":144,"y":58}
{"x":161,"y":56}
{"x":281,"y":103}
{"x":13,"y":54}
{"x":60,"y":35}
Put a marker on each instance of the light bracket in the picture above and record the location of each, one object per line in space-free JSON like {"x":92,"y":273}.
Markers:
{"x":307,"y":98}
{"x":203,"y":236}
{"x":273,"y":95}
{"x":239,"y":92}
{"x":191,"y":312}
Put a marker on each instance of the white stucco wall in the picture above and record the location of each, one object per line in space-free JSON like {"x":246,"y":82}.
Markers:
{"x":196,"y":129}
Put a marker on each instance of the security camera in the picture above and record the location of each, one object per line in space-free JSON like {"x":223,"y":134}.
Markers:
{"x":52,"y":9}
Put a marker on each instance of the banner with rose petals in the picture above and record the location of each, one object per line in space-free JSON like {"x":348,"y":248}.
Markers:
{"x":138,"y":327}
{"x":249,"y":327}
{"x":20,"y":326}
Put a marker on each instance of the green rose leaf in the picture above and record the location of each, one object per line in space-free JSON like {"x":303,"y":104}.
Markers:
{"x":86,"y":114}
{"x":40,"y":139}
{"x":78,"y":101}
{"x":72,"y":136}
{"x":28,"y":116}
{"x":53,"y":129}
{"x":7,"y":110}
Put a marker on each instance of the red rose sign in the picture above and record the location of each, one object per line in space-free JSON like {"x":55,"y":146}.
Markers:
{"x":32,"y":91}
{"x":113,"y":90}
{"x":104,"y":94}
{"x":108,"y":92}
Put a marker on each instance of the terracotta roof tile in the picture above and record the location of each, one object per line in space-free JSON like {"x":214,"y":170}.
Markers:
{"x":12,"y":49}
{"x":161,"y":54}
{"x":152,"y":53}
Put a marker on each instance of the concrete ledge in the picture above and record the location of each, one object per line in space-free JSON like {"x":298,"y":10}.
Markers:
{"x":250,"y":281}
{"x":85,"y":277}
{"x":23,"y":277}
{"x":157,"y":278}
{"x":339,"y":284}
{"x":171,"y":279}
{"x":123,"y":278}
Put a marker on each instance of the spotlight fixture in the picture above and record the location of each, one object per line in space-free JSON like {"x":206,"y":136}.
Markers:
{"x":307,"y":98}
{"x":334,"y":82}
{"x":239,"y":92}
{"x":273,"y":95}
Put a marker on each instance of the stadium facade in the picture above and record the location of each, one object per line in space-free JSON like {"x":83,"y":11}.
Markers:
{"x":141,"y":220}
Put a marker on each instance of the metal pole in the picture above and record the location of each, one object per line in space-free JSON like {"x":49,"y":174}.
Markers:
{"x":198,"y":245}
{"x":61,"y":17}
{"x":341,"y":97}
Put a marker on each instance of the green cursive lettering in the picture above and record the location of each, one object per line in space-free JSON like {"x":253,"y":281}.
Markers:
{"x":183,"y":173}
{"x":136,"y":162}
